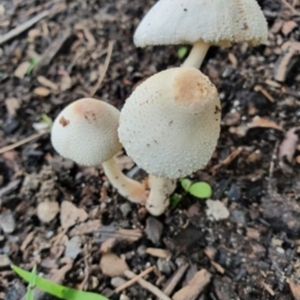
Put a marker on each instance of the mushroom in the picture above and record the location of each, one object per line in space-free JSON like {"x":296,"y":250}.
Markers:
{"x":86,"y":132}
{"x":202,"y":23}
{"x":175,"y":117}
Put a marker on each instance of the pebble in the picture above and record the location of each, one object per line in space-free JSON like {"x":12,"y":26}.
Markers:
{"x":125,"y":209}
{"x":73,"y":248}
{"x":164,"y":266}
{"x":7,"y":221}
{"x":124,"y":297}
{"x":4,"y":261}
{"x":117,"y":281}
{"x":47,"y":211}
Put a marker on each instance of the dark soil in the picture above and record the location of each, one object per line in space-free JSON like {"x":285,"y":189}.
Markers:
{"x":255,"y":172}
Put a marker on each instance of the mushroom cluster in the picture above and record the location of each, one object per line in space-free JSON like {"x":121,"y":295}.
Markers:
{"x":170,"y":124}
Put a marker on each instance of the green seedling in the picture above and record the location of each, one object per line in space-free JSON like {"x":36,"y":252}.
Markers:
{"x":182,"y":52}
{"x":31,"y":285}
{"x":33,"y":63}
{"x":175,"y":199}
{"x":55,"y":289}
{"x":200,"y":189}
{"x":46,"y":119}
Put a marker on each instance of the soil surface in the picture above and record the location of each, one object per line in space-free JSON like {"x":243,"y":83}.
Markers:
{"x":68,"y":220}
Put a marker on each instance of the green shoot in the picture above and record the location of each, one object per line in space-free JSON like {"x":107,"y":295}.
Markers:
{"x":175,"y":199}
{"x":46,"y":119}
{"x":182,"y":51}
{"x":31,"y":285}
{"x":201,"y":190}
{"x":55,"y":289}
{"x":33,"y":63}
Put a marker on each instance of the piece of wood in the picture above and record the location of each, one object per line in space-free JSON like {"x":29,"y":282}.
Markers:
{"x":23,"y":27}
{"x":194,"y":287}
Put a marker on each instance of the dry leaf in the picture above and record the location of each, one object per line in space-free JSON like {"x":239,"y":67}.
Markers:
{"x":41,"y":91}
{"x":70,"y":214}
{"x":111,"y":265}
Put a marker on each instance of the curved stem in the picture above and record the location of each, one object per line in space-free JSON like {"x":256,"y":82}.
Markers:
{"x":159,"y":196}
{"x":196,"y":56}
{"x":127,"y":187}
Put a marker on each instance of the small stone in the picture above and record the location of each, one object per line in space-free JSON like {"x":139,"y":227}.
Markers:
{"x":73,"y":248}
{"x":117,"y":281}
{"x":238,"y":216}
{"x":47,"y":211}
{"x":124,"y":297}
{"x":111,"y":265}
{"x":7,"y":221}
{"x":141,"y":251}
{"x":164,"y":266}
{"x":216,"y":210}
{"x":125,"y":209}
{"x":4,"y":261}
{"x":70,"y":214}
{"x":41,"y":91}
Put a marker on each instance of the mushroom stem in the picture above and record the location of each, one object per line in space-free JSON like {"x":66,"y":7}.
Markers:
{"x":159,"y":196}
{"x":127,"y":187}
{"x":197,"y":54}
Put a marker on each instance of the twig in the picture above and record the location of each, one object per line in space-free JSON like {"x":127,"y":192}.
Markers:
{"x":133,"y":280}
{"x":148,"y":286}
{"x":103,"y":73}
{"x":293,"y":9}
{"x":22,"y":142}
{"x":169,"y":288}
{"x":23,"y":27}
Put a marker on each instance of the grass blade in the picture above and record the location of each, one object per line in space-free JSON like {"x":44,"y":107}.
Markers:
{"x":57,"y":290}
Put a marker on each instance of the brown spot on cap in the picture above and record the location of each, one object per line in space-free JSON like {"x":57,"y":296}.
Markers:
{"x":190,"y":86}
{"x":63,"y":121}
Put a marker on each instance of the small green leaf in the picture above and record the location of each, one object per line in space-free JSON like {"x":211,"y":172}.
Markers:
{"x":31,"y":285}
{"x":175,"y":199}
{"x":200,"y":190}
{"x":46,"y":119}
{"x":185,"y":183}
{"x":33,"y":62}
{"x":182,"y":51}
{"x":57,"y":290}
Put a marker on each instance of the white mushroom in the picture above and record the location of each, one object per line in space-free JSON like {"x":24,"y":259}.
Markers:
{"x":86,"y":132}
{"x":175,"y":117}
{"x":202,"y":23}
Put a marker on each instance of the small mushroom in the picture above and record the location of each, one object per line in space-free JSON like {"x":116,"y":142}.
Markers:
{"x":175,"y":117}
{"x":202,"y":23}
{"x":86,"y":132}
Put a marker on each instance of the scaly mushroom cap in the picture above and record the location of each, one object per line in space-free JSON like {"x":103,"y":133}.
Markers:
{"x":86,"y":132}
{"x":219,"y":22}
{"x":170,"y":124}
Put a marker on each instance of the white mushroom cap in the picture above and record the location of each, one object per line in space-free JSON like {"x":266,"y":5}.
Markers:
{"x":86,"y":132}
{"x":170,"y":124}
{"x":220,"y":22}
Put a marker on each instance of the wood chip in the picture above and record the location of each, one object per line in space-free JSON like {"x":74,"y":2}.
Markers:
{"x":162,"y":253}
{"x":86,"y":228}
{"x":111,"y":265}
{"x":47,"y":83}
{"x":295,"y":289}
{"x":21,"y":70}
{"x":218,"y":267}
{"x":70,"y":214}
{"x":259,"y":88}
{"x":194,"y":287}
{"x":259,"y":122}
{"x":12,"y":105}
{"x":41,"y":91}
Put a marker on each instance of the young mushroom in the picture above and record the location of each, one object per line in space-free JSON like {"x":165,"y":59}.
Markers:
{"x":175,"y":117}
{"x":202,"y":23}
{"x":86,"y":132}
